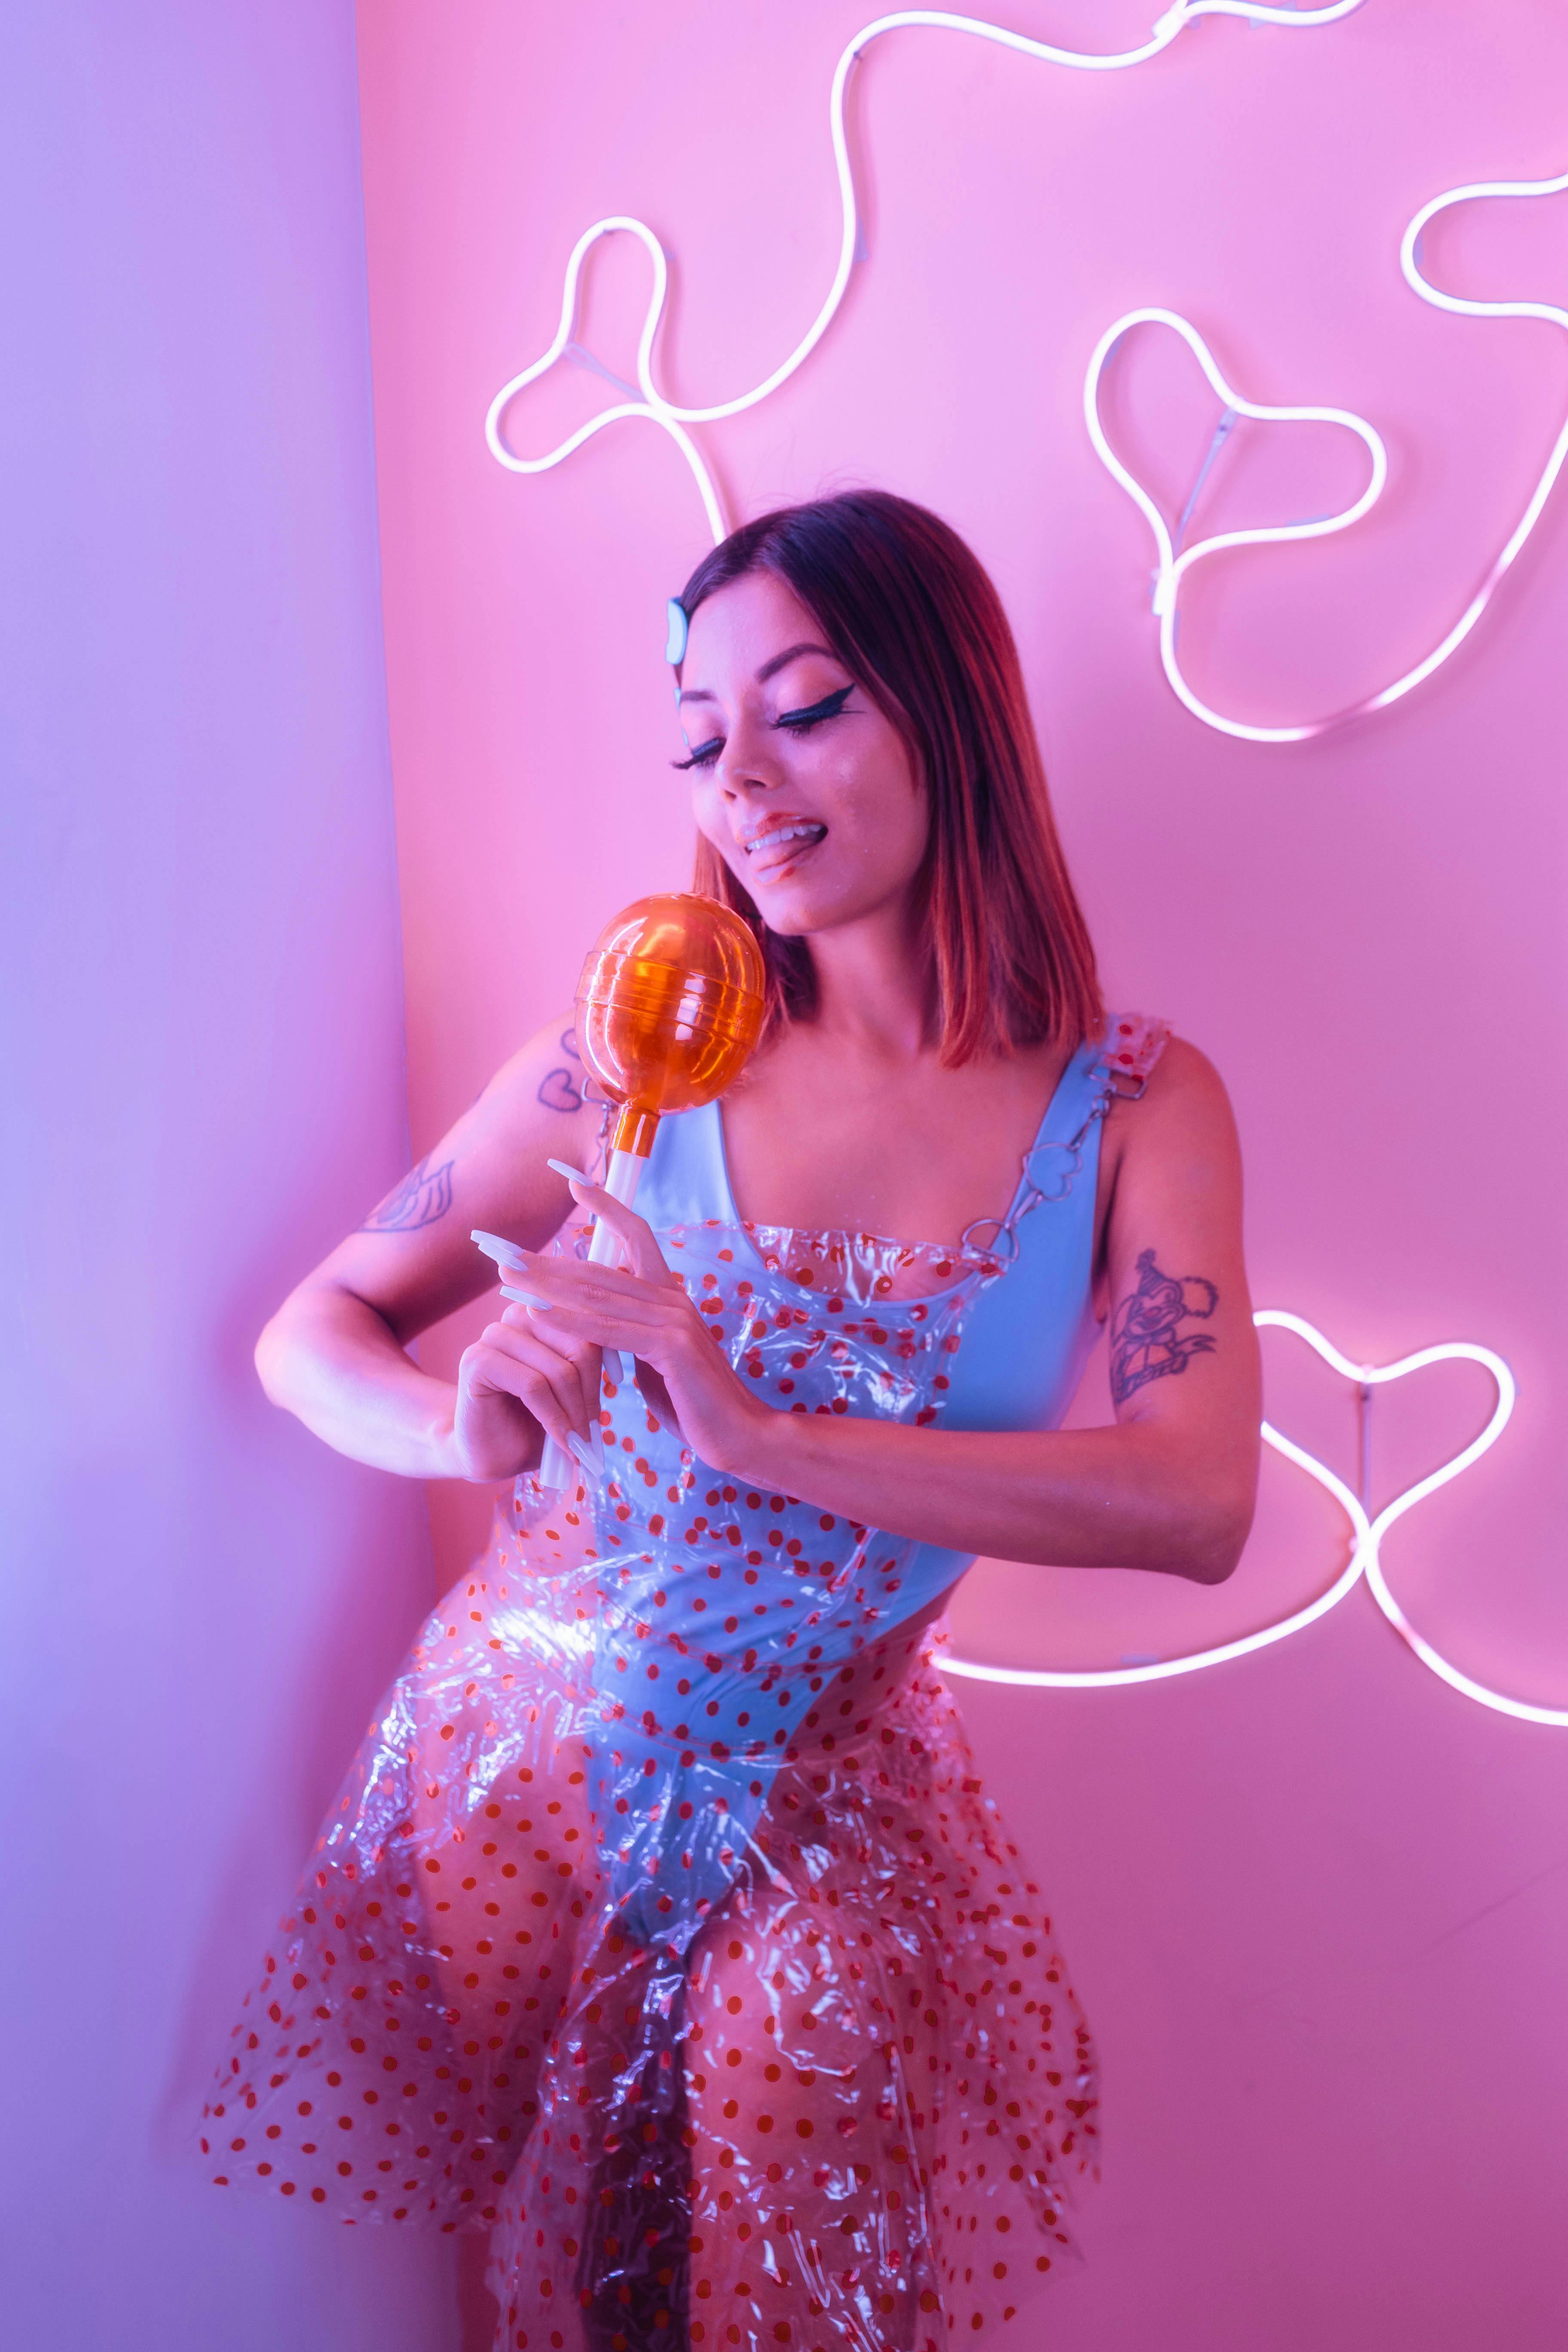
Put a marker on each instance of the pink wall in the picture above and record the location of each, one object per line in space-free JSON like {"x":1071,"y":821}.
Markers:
{"x":1316,"y":1901}
{"x":204,"y":1086}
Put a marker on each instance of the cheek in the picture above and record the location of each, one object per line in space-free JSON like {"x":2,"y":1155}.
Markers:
{"x":917,"y":824}
{"x":886,"y":807}
{"x":897,"y":829}
{"x":708,"y":817}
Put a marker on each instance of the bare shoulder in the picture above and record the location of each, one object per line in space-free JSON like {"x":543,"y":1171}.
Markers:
{"x":1171,"y":1182}
{"x":1183,"y":1076}
{"x":543,"y":1081}
{"x":1181,"y":1124}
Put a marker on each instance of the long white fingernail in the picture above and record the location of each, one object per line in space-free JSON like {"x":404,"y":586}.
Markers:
{"x":562,"y":1168}
{"x":526,"y":1297}
{"x":584,"y":1454}
{"x":504,"y":1253}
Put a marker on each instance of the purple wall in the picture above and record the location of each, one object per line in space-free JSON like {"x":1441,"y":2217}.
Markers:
{"x":203,"y":1086}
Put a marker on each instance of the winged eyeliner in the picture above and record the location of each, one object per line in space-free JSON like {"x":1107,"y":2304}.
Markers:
{"x":799,"y":720}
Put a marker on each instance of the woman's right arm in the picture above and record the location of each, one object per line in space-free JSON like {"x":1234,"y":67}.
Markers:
{"x":335,"y":1354}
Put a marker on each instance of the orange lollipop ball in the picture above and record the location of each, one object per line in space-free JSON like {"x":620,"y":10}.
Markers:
{"x":669,"y":1007}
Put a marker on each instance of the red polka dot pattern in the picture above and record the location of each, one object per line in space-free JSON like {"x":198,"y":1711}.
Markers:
{"x":665,"y":1849}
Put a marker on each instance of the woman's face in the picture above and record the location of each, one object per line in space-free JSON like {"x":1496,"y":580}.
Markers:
{"x":803,"y":786}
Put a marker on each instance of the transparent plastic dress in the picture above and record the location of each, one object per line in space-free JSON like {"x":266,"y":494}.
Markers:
{"x":662,"y":1927}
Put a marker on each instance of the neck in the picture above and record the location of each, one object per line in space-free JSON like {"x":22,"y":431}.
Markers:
{"x":872,"y":985}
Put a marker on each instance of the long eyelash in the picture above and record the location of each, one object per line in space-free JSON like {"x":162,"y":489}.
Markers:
{"x":800,"y":722}
{"x":704,"y":755}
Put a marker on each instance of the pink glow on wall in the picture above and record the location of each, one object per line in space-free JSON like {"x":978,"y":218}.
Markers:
{"x":1312,"y":1897}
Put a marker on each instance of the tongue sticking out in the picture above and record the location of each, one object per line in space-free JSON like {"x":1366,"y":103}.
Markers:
{"x":782,"y":839}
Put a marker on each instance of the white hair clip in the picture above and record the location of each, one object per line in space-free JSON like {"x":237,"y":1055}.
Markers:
{"x":677,"y":625}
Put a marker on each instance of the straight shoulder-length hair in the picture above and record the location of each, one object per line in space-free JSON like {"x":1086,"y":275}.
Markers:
{"x":914,"y":615}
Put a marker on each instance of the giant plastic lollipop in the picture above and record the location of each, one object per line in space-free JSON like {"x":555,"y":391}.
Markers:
{"x":669,"y":1008}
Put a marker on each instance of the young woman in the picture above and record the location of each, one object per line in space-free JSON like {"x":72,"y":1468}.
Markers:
{"x":662,"y":1928}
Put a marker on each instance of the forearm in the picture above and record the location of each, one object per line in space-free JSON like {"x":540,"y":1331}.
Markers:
{"x":1133,"y":1496}
{"x":332,"y":1361}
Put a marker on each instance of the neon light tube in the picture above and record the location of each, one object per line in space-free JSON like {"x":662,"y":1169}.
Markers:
{"x":651,"y":406}
{"x":668,"y":414}
{"x":1171,"y":569}
{"x":1365,"y":1559}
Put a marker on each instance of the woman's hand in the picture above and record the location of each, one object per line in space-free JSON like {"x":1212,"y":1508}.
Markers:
{"x":514,"y":1381}
{"x":571,"y":1309}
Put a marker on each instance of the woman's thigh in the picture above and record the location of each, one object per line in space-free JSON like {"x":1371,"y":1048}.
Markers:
{"x":808,"y":2203}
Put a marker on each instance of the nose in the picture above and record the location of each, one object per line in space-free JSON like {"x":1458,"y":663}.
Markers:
{"x":746,"y":764}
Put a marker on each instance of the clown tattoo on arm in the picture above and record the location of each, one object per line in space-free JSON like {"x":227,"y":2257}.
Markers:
{"x":1147,"y":1341}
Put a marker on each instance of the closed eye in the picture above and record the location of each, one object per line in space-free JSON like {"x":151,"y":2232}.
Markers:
{"x":703,"y":756}
{"x":799,"y":721}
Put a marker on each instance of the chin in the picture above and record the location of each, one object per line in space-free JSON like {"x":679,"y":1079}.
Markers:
{"x":807,"y":902}
{"x":794,"y":916}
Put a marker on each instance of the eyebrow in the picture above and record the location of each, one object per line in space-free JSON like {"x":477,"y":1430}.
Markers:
{"x":768,"y":669}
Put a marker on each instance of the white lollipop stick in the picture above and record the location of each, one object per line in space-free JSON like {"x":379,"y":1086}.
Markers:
{"x":621,"y":1184}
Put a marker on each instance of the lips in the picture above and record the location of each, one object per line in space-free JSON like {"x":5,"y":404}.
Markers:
{"x":783,"y":840}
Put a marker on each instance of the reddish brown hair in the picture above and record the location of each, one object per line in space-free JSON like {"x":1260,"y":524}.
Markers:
{"x":913,"y":617}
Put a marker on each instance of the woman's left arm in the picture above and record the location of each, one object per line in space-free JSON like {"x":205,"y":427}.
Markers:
{"x":1170,"y":1486}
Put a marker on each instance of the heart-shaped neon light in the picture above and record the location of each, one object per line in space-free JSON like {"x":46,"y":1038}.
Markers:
{"x":651,"y":406}
{"x":1366,"y":1534}
{"x":1172,"y":568}
{"x":668,"y":414}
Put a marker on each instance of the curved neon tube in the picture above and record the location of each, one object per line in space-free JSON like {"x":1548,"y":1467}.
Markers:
{"x":671,"y":416}
{"x":1366,"y":1550}
{"x":651,"y":406}
{"x":1409,"y":262}
{"x":1171,"y":569}
{"x":1160,"y":1669}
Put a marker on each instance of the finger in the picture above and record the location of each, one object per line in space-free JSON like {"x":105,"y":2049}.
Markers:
{"x":552,"y":1282}
{"x":544,"y":1323}
{"x":617,"y":1360}
{"x":512,"y":1354}
{"x":496,"y":1248}
{"x":595,"y":1320}
{"x":634,"y":1234}
{"x":485,"y":1373}
{"x":569,"y":1326}
{"x":584,"y":1353}
{"x":656,"y":1397}
{"x":558,"y":1354}
{"x":518,"y":1360}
